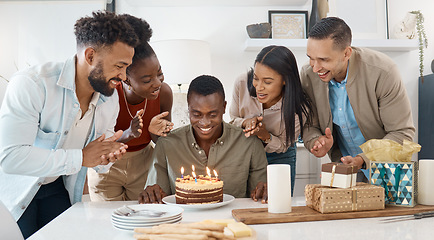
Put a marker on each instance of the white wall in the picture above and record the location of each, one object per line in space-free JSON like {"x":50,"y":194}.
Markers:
{"x":34,"y":32}
{"x":409,"y":62}
{"x":39,"y":31}
{"x":223,"y":25}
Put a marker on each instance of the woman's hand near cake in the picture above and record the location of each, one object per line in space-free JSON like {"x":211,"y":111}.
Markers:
{"x":152,"y":194}
{"x":260,"y":192}
{"x":135,"y":129}
{"x":160,"y":126}
{"x":251,"y":125}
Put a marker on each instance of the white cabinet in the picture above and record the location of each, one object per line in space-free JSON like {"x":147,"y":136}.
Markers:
{"x":308,"y":169}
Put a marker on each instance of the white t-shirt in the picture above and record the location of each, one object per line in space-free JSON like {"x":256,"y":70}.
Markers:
{"x":79,"y":132}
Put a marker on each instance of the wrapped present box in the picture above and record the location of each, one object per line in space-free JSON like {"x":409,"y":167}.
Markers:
{"x":338,"y":175}
{"x":326,"y":199}
{"x":399,"y":181}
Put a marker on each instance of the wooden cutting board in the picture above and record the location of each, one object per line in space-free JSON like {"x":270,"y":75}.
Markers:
{"x":305,"y":214}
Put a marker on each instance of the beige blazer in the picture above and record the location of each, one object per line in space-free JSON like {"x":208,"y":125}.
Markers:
{"x":377,"y":96}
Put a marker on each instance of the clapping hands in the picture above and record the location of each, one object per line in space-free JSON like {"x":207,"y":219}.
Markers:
{"x":255,"y":126}
{"x":103,"y":150}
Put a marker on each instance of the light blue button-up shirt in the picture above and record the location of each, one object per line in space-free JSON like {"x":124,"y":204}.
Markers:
{"x":37,"y":113}
{"x":349,"y":135}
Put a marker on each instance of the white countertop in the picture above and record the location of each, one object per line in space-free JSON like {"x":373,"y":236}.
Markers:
{"x":92,"y":220}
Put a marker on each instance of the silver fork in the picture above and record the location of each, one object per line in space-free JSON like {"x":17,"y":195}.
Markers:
{"x":146,"y":212}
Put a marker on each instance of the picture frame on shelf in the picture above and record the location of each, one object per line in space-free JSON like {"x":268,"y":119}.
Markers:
{"x":288,"y":24}
{"x":367,"y":19}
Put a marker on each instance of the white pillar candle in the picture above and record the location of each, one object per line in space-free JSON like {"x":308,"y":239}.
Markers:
{"x":279,"y":188}
{"x":426,"y":182}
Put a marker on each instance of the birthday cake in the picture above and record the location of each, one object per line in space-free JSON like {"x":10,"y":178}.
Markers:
{"x":201,"y":190}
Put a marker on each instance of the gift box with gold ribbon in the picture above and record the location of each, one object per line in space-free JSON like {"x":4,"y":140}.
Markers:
{"x":361,"y":197}
{"x":338,"y":175}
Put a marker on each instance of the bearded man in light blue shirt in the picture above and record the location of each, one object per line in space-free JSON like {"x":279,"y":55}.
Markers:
{"x":57,"y":119}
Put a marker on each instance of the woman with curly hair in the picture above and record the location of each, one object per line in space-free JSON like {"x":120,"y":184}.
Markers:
{"x":269,"y":103}
{"x":145,"y":105}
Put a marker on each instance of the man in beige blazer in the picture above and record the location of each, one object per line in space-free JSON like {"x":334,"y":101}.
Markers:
{"x":357,"y":95}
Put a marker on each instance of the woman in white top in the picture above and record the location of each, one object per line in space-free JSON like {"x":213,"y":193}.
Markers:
{"x":269,"y":102}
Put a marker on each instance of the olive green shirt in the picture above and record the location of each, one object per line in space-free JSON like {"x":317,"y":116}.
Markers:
{"x":239,"y":161}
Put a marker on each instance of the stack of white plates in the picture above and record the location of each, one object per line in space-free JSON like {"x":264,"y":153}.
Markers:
{"x":145,"y":215}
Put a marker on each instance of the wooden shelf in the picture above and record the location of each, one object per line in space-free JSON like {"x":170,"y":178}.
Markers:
{"x":384,"y":45}
{"x":185,"y":3}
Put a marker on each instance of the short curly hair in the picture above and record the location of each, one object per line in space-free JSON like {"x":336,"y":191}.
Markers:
{"x":206,"y":85}
{"x":104,"y":29}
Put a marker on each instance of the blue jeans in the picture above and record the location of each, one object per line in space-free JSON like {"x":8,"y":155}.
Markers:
{"x":49,"y":202}
{"x":287,"y":157}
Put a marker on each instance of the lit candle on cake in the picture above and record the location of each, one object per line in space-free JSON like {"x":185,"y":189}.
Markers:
{"x":182,"y":172}
{"x":215,"y":174}
{"x":208,"y":172}
{"x":194,"y":175}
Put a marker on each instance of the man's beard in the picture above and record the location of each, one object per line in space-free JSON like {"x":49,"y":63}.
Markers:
{"x":98,"y":81}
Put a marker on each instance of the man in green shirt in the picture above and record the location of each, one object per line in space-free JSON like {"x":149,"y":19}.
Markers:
{"x":208,"y":142}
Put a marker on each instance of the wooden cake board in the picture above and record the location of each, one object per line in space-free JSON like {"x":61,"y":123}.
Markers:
{"x":306,"y":214}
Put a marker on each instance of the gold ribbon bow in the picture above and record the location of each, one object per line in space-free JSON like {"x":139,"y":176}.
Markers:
{"x":333,"y":175}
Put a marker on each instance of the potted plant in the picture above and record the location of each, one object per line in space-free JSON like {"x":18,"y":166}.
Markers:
{"x":423,"y":41}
